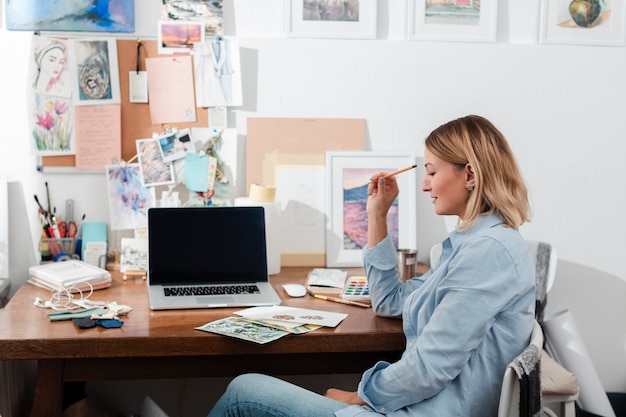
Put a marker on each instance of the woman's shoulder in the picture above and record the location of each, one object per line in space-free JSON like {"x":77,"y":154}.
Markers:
{"x":499,"y":237}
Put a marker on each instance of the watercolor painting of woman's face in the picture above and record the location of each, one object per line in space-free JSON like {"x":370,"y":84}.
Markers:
{"x":49,"y":67}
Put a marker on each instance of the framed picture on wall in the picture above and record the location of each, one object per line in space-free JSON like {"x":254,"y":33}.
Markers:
{"x":582,"y":22}
{"x":330,"y":19}
{"x":347,"y":177}
{"x":460,"y":20}
{"x":71,"y":15}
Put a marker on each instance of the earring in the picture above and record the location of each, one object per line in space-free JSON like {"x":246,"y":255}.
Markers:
{"x":470,"y":188}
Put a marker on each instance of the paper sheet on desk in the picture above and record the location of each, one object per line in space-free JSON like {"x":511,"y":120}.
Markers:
{"x":293,"y":315}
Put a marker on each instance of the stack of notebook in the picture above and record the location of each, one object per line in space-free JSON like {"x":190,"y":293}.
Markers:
{"x":73,"y":275}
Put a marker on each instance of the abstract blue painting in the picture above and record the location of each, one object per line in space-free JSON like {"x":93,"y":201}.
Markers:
{"x":71,"y":15}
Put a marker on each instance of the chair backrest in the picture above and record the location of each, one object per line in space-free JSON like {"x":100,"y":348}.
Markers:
{"x":510,"y":393}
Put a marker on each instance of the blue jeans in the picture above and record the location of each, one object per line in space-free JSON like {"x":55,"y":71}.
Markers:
{"x":257,"y":395}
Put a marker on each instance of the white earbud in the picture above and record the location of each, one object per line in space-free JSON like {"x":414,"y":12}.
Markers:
{"x":38,"y":303}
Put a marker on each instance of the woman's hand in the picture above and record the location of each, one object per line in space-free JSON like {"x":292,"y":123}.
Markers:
{"x":348,"y":397}
{"x":382,"y":193}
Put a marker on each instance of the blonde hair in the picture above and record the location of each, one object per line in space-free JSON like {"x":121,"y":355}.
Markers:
{"x":499,"y":186}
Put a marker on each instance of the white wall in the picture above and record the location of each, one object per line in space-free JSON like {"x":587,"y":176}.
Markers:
{"x":561,"y":107}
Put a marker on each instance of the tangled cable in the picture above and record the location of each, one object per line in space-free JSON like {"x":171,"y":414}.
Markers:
{"x":63,"y":299}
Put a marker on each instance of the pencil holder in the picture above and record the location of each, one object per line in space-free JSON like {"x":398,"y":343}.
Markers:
{"x":62,"y":248}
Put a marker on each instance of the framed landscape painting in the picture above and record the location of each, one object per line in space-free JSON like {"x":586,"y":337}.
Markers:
{"x":331,"y":19}
{"x":461,"y":20}
{"x":347,"y":177}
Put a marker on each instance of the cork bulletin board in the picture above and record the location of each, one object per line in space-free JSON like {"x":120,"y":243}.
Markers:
{"x":136,"y":122}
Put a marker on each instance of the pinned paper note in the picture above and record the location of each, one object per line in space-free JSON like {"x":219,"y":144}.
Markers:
{"x":197,"y":172}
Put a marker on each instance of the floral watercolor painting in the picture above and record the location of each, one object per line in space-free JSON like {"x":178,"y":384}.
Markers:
{"x":355,"y":181}
{"x":52,"y":123}
{"x":71,"y":15}
{"x":129,"y":200}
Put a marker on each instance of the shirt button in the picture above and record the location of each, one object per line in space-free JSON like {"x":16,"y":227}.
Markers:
{"x":410,"y":345}
{"x":382,"y":410}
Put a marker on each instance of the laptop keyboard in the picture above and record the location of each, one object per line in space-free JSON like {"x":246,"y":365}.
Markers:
{"x":211,"y":290}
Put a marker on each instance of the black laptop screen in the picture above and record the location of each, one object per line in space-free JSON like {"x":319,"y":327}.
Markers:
{"x":202,"y":245}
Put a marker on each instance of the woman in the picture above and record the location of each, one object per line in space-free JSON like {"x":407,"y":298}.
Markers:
{"x":50,"y":69}
{"x":464,"y":320}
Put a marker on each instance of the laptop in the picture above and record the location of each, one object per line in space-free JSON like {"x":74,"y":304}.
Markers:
{"x":206,"y":257}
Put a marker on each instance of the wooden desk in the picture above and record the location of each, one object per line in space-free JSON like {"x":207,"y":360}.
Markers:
{"x":164,"y":344}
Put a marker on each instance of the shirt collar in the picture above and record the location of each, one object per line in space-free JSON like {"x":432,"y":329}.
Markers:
{"x":484,"y":221}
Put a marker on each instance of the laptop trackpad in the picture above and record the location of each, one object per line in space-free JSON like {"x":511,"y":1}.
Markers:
{"x":213,"y":300}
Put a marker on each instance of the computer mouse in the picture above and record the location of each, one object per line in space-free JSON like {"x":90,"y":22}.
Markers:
{"x":295,"y":290}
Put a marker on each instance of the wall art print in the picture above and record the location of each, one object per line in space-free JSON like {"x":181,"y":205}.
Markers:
{"x":347,"y":177}
{"x":459,"y":20}
{"x":583,"y":22}
{"x":71,"y":15}
{"x":95,"y":71}
{"x":129,"y":199}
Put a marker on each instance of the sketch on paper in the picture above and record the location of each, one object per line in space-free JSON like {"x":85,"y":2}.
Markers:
{"x":209,"y":12}
{"x":71,"y":15}
{"x":458,"y":12}
{"x":331,"y":10}
{"x":95,"y":72}
{"x":49,"y":66}
{"x":154,"y":170}
{"x":133,"y":254}
{"x":129,"y":199}
{"x":218,"y":73}
{"x":52,"y":125}
{"x":355,"y":181}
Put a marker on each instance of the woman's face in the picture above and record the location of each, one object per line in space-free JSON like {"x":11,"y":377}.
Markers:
{"x":447,"y":185}
{"x":53,"y":62}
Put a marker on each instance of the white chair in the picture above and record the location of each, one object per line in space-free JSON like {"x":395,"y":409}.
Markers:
{"x":510,"y":394}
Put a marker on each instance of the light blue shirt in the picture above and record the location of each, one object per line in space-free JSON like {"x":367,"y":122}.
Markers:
{"x":464,"y":321}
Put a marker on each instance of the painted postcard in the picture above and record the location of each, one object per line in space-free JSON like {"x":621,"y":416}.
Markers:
{"x":175,"y":145}
{"x":209,"y":12}
{"x":293,"y":315}
{"x":154,"y":170}
{"x":178,"y":36}
{"x":52,"y":125}
{"x":242,"y":329}
{"x":95,"y":71}
{"x":49,"y":67}
{"x":129,"y":199}
{"x":71,"y":15}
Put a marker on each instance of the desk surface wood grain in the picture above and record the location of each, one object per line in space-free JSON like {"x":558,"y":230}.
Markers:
{"x":26,"y":332}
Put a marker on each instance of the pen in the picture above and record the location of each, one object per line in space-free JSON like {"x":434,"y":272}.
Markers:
{"x":399,"y":171}
{"x":76,"y":236}
{"x":339,"y":300}
{"x":49,"y":206}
